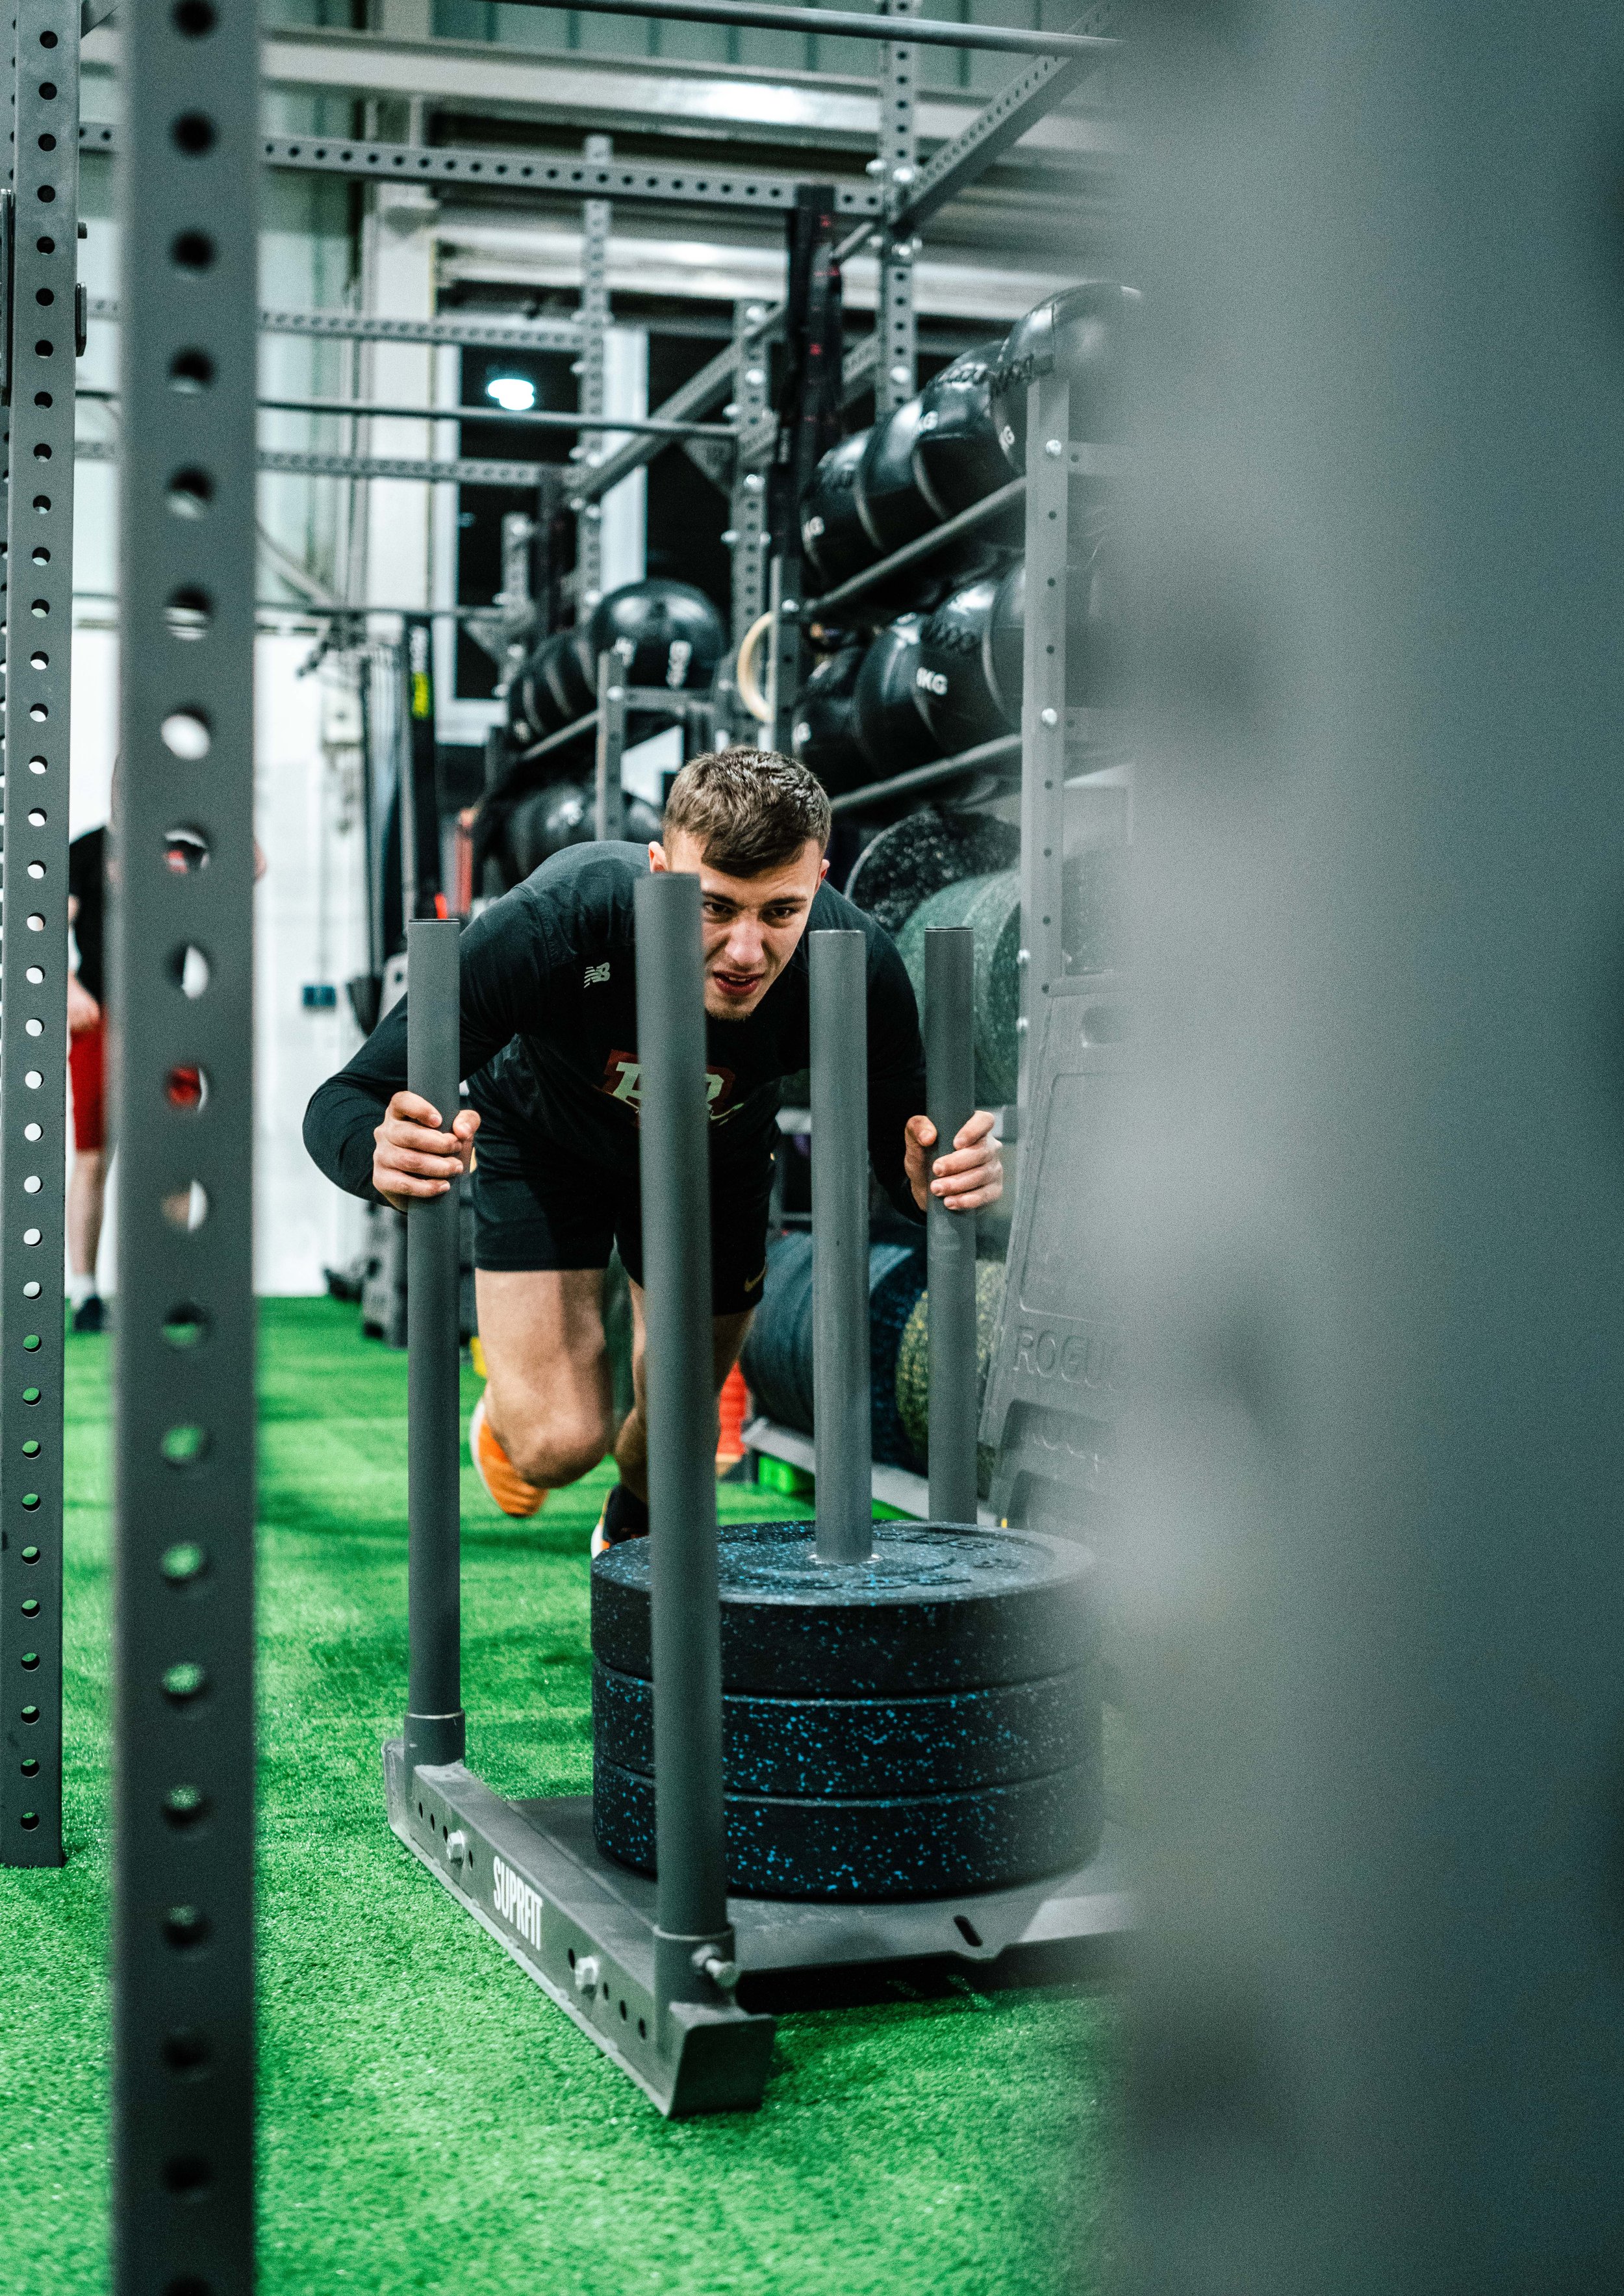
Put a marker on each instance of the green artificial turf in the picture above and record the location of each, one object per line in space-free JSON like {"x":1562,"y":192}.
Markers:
{"x":428,"y":2121}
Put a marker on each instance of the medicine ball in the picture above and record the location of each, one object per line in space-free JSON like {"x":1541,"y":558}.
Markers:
{"x":891,"y":502}
{"x":886,"y":722}
{"x":531,"y":709}
{"x":571,"y":677}
{"x":916,"y":857}
{"x":544,"y":823}
{"x":953,"y":677}
{"x":663,"y":633}
{"x":823,"y":737}
{"x":831,"y":533}
{"x":896,"y":511}
{"x":1079,"y":334}
{"x":956,"y":455}
{"x":642,"y":824}
{"x":1094,"y":633}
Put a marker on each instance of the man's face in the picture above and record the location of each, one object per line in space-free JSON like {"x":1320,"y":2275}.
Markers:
{"x":750,"y":925}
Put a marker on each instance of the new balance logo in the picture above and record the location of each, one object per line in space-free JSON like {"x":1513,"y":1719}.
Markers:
{"x":596,"y":974}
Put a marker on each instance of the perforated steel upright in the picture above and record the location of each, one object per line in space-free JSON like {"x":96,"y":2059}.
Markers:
{"x":596,"y":216}
{"x":41,"y":264}
{"x":747,"y":525}
{"x":182,"y":972}
{"x":894,"y":378}
{"x":1043,"y":714}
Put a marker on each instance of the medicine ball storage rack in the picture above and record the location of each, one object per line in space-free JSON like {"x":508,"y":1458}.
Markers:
{"x":662,"y":1970}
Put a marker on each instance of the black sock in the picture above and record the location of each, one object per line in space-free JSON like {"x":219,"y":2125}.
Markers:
{"x":625,"y":1514}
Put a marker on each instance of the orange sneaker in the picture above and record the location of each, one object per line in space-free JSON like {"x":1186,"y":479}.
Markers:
{"x":730,"y":1429}
{"x":496,"y":1471}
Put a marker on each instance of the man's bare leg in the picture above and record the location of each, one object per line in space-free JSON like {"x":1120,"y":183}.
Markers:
{"x":632,"y":1443}
{"x":86,"y":1194}
{"x":548,"y":1401}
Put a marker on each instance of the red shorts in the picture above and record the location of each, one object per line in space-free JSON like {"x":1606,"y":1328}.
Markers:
{"x":87,"y":1066}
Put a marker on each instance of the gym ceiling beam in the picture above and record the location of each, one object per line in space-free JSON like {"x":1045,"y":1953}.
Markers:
{"x":519,"y":336}
{"x":840,"y":23}
{"x":494,"y":170}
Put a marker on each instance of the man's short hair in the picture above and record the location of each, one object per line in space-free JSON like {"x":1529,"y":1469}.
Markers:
{"x":747,"y":810}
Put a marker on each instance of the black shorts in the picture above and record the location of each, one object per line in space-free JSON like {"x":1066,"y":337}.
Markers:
{"x":537,"y":1208}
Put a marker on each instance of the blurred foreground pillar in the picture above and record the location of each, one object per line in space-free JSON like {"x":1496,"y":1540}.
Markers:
{"x":1375,"y":1193}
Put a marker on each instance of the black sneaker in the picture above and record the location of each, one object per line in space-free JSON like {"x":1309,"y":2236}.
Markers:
{"x":90,"y":1314}
{"x":625,"y":1516}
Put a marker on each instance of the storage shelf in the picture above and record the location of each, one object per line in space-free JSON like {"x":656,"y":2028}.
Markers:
{"x":893,"y":1487}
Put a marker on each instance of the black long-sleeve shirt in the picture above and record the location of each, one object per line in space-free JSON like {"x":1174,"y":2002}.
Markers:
{"x":549,"y":1033}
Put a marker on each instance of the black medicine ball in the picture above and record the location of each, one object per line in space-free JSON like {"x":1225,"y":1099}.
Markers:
{"x":663,"y":633}
{"x":956,"y":455}
{"x":886,"y":721}
{"x":823,"y":737}
{"x":832,"y":533}
{"x":544,"y":823}
{"x":1093,"y":630}
{"x":1080,"y":333}
{"x":953,"y":680}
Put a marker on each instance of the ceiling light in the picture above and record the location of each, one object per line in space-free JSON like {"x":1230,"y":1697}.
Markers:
{"x":514,"y":392}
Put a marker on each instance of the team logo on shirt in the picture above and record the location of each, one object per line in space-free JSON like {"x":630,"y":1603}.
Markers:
{"x":623,"y":1082}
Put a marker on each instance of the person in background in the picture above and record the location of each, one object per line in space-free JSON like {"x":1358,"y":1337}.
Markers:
{"x":88,"y":876}
{"x":87,"y":1063}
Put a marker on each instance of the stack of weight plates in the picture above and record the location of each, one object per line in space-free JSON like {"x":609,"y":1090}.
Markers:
{"x":923,"y":1725}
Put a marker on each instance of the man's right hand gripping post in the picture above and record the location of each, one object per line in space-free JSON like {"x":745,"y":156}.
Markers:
{"x":413,"y":1158}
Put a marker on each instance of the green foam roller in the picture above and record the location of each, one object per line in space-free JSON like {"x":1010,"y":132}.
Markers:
{"x":914,"y":1364}
{"x":991,"y":907}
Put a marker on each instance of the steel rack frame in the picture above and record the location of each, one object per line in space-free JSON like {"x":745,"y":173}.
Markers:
{"x":913,"y":195}
{"x":891,"y":211}
{"x":184,"y":1476}
{"x":746,"y":534}
{"x":896,"y":354}
{"x":597,"y":176}
{"x":367,"y":327}
{"x":545,"y":419}
{"x":595,"y":218}
{"x":903,"y":207}
{"x":607,"y":721}
{"x":460,"y":471}
{"x":668,"y":1976}
{"x":1001,"y":755}
{"x":1054,"y":740}
{"x":37,"y":262}
{"x":182,"y":956}
{"x":914,"y":553}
